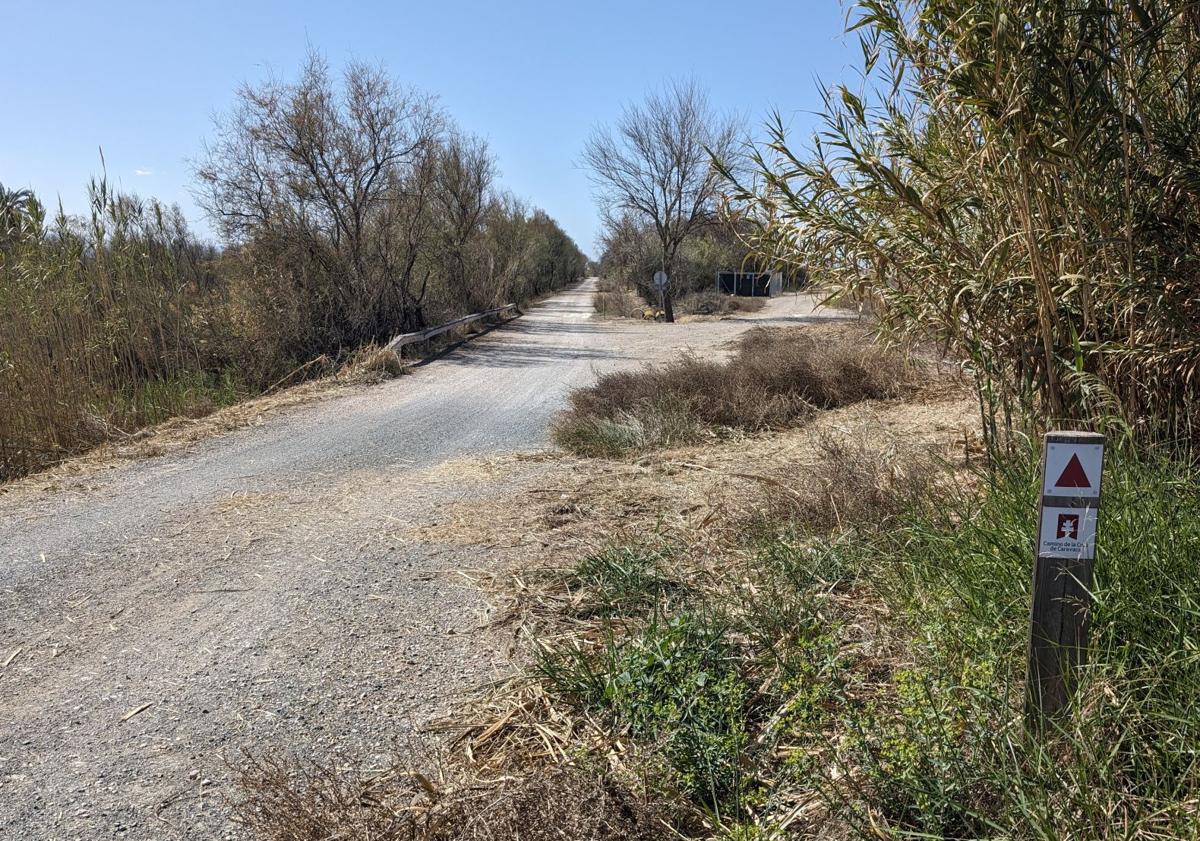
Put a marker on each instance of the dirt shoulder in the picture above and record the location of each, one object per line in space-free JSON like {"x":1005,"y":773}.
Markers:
{"x":575,"y":503}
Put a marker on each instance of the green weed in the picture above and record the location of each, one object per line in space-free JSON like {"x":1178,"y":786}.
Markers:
{"x":675,"y":685}
{"x":944,"y":746}
{"x":625,"y":578}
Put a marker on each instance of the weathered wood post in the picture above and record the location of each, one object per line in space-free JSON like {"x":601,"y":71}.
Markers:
{"x":1072,"y":463}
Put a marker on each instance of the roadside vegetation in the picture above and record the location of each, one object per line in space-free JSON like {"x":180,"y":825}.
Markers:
{"x":711,"y":302}
{"x":774,"y":378}
{"x":617,"y":299}
{"x":659,"y":194}
{"x":855,"y":669}
{"x":1015,"y":181}
{"x":350,"y":210}
{"x":630,"y":257}
{"x":841,"y":652}
{"x":614,"y":299}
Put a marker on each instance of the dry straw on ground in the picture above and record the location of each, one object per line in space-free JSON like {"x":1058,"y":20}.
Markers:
{"x":286,"y":801}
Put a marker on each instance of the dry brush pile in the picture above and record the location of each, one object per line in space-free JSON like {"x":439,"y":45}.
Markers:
{"x":775,"y":378}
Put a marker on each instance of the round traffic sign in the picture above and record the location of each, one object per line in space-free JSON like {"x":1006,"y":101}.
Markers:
{"x":660,"y":280}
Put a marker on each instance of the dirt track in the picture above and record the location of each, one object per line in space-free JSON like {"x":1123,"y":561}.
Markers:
{"x":264,"y":589}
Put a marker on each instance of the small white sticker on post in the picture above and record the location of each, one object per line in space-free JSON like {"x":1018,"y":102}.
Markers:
{"x":1073,"y":469}
{"x":1068,"y":533}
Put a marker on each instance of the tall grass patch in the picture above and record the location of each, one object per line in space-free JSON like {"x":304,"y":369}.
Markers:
{"x":945,"y":748}
{"x":106,"y":325}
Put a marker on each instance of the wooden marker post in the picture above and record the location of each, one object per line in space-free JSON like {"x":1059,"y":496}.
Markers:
{"x":1062,"y":579}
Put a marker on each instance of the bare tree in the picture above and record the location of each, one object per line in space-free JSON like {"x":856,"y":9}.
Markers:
{"x":656,"y":165}
{"x":357,"y":207}
{"x":465,"y":174}
{"x":318,"y":169}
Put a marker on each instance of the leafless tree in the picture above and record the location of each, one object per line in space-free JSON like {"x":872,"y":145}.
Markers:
{"x":321,"y":171}
{"x":358,"y":207}
{"x":465,"y":174}
{"x":656,"y":166}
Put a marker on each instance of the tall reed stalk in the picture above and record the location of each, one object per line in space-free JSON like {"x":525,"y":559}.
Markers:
{"x":1019,"y":180}
{"x":122,"y":318}
{"x":102,"y":325}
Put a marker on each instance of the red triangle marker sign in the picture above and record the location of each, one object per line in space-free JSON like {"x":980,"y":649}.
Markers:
{"x":1073,"y":475}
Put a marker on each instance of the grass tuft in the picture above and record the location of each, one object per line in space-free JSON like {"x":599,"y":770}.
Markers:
{"x":625,"y":578}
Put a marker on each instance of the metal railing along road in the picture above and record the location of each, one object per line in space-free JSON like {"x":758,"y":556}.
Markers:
{"x":424,"y":335}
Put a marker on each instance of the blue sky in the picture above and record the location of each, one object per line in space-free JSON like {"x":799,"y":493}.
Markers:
{"x":143,"y":80}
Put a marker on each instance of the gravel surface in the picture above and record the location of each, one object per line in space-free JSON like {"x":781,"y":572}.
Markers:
{"x":261,"y":589}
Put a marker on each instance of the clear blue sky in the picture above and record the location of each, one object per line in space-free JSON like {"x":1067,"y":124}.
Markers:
{"x":142,"y":80}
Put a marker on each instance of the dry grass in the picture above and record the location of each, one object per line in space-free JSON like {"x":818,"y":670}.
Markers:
{"x":575,"y":502}
{"x":774,"y":378}
{"x":618,"y":304}
{"x":712,"y":303}
{"x":284,"y":800}
{"x":854,"y":480}
{"x":367,"y":366}
{"x":371,"y":364}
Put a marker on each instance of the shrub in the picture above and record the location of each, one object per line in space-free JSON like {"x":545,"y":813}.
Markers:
{"x":620,"y":303}
{"x":656,"y":423}
{"x":714,"y":303}
{"x":775,"y":378}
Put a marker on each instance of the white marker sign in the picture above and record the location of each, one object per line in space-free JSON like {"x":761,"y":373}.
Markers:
{"x":1073,"y":469}
{"x":1070,"y":495}
{"x":1072,"y":463}
{"x":1068,"y":533}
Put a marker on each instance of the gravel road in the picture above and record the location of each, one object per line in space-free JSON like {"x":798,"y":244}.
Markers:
{"x":261,"y":589}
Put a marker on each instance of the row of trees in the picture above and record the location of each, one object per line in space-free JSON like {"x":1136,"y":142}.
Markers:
{"x":371,"y":209}
{"x":348,"y":213}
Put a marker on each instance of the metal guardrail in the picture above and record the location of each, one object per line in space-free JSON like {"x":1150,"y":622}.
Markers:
{"x":424,"y":335}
